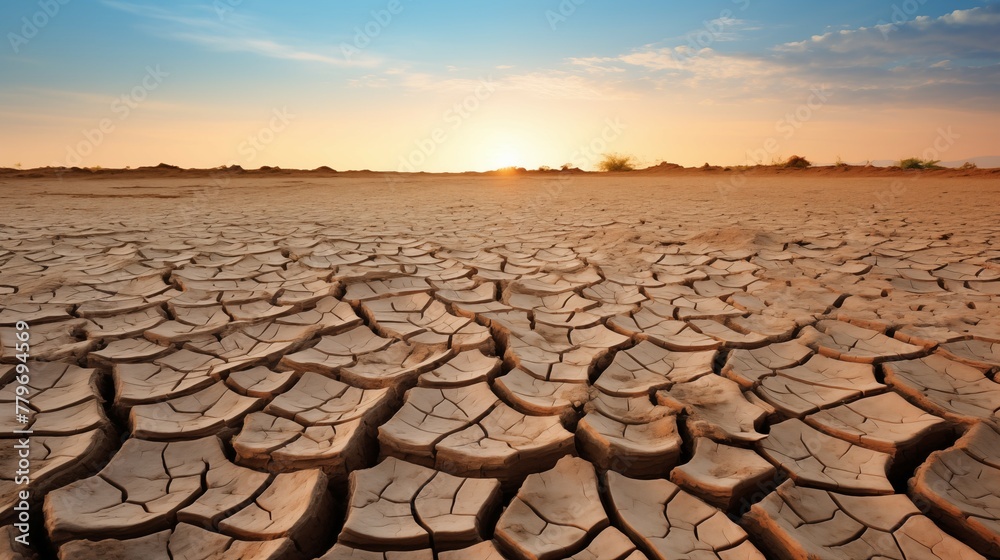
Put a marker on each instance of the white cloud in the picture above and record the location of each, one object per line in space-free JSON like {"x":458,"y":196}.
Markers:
{"x":952,"y":59}
{"x":982,"y":16}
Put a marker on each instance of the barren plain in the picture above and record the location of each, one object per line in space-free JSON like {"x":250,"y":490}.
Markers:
{"x":721,"y":366}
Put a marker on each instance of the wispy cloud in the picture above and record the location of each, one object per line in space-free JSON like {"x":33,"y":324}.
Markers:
{"x":549,"y":84}
{"x":953,"y":59}
{"x":723,"y":29}
{"x":596,"y":64}
{"x":200,"y":25}
{"x":563,"y":85}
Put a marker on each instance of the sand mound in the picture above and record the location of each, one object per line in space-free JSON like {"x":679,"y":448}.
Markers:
{"x":735,"y":237}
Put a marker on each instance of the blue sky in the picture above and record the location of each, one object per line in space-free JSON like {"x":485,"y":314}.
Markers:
{"x":534,"y":82}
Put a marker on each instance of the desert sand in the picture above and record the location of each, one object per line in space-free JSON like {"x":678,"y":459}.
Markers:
{"x":697,"y":365}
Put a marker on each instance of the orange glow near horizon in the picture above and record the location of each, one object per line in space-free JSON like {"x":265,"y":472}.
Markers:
{"x":512,"y":133}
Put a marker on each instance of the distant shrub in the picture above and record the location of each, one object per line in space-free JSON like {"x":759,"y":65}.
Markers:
{"x":840,"y":163}
{"x":917,"y":163}
{"x":617,"y":162}
{"x":798,"y":162}
{"x":969,"y":165}
{"x":510,"y":170}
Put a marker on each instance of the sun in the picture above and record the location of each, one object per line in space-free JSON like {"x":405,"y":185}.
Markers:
{"x":493,"y":144}
{"x":504,"y":156}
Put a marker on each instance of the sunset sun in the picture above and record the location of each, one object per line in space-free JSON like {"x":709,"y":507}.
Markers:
{"x":503,"y":156}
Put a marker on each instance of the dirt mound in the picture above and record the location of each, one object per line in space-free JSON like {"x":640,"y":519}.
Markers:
{"x":735,"y":237}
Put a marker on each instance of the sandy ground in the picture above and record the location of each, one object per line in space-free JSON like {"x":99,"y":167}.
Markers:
{"x":322,"y":366}
{"x":900,"y":205}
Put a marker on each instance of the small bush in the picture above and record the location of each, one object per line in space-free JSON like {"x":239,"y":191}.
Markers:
{"x":617,"y":162}
{"x":969,"y":165}
{"x":917,"y":163}
{"x":840,"y":163}
{"x":798,"y":162}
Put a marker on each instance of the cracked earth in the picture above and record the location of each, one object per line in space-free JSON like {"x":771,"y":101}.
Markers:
{"x":446,"y":368}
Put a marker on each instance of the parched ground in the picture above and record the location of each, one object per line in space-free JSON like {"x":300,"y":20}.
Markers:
{"x":719,"y":366}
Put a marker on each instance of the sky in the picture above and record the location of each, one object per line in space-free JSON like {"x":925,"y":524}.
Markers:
{"x":404,"y":85}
